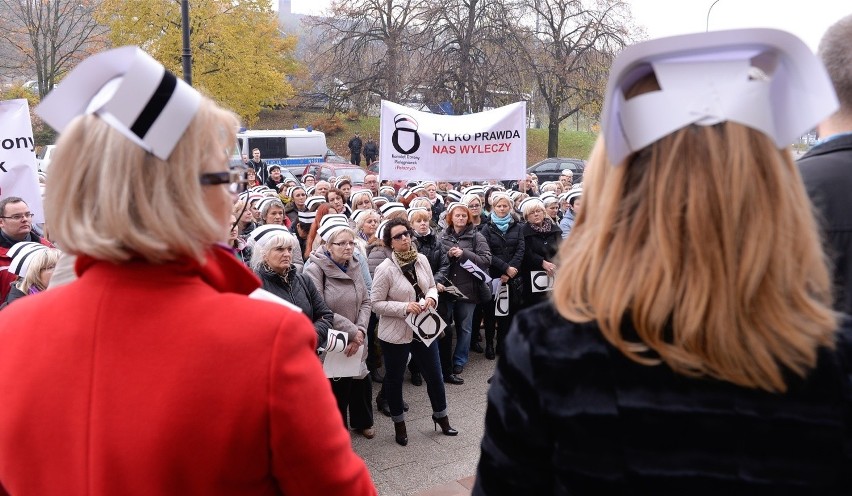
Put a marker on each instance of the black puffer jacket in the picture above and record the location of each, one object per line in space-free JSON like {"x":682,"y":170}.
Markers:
{"x":476,"y":250}
{"x":538,"y":247}
{"x":507,"y":250}
{"x":431,"y":247}
{"x":300,"y":291}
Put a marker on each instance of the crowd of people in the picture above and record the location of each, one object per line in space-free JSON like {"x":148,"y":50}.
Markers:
{"x":687,"y":335}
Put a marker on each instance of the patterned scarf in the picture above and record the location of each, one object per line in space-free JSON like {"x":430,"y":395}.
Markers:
{"x":544,"y":226}
{"x":405,"y":258}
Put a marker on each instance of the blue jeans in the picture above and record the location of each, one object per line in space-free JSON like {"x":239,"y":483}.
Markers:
{"x":396,"y":356}
{"x":462,"y":313}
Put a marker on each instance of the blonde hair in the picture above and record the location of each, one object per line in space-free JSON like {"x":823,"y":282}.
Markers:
{"x":112,"y":200}
{"x":42,"y":259}
{"x":706,"y":242}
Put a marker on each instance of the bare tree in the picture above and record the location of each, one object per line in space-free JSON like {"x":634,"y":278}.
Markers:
{"x":369,"y":47}
{"x":47,"y":37}
{"x":568,"y":46}
{"x":469,"y":55}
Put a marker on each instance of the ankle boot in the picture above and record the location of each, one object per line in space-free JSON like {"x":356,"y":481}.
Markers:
{"x":489,"y":352}
{"x":400,"y":433}
{"x":444,"y":422}
{"x":382,"y":405}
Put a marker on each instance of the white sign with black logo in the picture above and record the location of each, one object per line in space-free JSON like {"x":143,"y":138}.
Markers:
{"x":501,"y":303}
{"x":540,"y":281}
{"x":416,"y":145}
{"x":18,"y":175}
{"x":427,"y":325}
{"x":336,"y":363}
{"x":476,"y":272}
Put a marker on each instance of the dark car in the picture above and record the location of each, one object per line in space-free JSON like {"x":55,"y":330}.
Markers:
{"x":324,"y":170}
{"x":550,"y":169}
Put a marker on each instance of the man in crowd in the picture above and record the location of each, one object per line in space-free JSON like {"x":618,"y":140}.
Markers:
{"x":371,"y":151}
{"x":355,"y":146}
{"x":16,"y":225}
{"x":322,"y":188}
{"x":259,"y":166}
{"x":371,"y":182}
{"x":567,"y":180}
{"x":827,"y":167}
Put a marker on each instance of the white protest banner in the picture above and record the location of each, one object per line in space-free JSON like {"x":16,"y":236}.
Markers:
{"x":336,"y":363}
{"x":476,"y":272}
{"x":427,"y":325}
{"x":18,"y":174}
{"x":421,"y":145}
{"x":501,"y":302}
{"x":540,"y":281}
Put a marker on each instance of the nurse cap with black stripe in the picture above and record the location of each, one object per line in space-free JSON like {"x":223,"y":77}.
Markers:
{"x":131,"y":92}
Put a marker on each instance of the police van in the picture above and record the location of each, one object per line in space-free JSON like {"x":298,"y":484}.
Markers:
{"x":291,"y":149}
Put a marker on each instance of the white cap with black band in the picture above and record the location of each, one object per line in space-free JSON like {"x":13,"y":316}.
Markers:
{"x":131,"y":92}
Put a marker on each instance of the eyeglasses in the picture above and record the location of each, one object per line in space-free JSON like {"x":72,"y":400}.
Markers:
{"x":474,"y":205}
{"x":345,"y":244}
{"x":404,"y":234}
{"x":233,"y":176}
{"x":19,"y":217}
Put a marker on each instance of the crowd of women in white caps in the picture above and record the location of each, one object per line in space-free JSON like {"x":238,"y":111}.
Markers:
{"x":321,"y":245}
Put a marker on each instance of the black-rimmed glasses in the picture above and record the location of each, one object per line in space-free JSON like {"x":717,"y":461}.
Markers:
{"x":19,"y":217}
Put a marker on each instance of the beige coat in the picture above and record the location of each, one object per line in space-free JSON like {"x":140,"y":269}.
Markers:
{"x":392,"y":293}
{"x":346,"y":295}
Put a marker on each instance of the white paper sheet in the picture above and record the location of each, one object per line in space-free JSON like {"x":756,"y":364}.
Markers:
{"x":427,"y":325}
{"x":336,"y":363}
{"x":541,"y":282}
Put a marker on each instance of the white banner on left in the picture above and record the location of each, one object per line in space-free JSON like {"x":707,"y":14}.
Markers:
{"x":18,"y":174}
{"x":420,"y":145}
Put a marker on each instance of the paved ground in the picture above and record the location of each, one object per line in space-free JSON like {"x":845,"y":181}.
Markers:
{"x":432,"y":464}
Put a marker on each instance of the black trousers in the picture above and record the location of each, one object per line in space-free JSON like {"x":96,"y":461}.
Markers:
{"x":355,"y":159}
{"x":354,"y":396}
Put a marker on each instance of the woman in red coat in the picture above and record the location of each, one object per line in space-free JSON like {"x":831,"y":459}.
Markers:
{"x":154,"y":372}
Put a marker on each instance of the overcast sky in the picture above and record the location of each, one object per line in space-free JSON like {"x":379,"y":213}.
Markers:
{"x":808,"y":19}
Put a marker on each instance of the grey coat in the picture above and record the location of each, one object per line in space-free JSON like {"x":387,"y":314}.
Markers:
{"x":345,"y":293}
{"x":475,"y":248}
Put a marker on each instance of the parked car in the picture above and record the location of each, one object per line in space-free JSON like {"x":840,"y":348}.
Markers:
{"x":334,"y":158}
{"x":324,"y":170}
{"x":550,"y":169}
{"x":44,"y":156}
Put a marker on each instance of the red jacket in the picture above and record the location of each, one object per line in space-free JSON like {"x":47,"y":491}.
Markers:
{"x":141,"y":379}
{"x":6,"y":277}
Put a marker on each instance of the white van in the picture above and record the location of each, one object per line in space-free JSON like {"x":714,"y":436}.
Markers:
{"x":44,"y":156}
{"x":292,"y":149}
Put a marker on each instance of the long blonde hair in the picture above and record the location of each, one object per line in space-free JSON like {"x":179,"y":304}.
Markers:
{"x":706,"y":242}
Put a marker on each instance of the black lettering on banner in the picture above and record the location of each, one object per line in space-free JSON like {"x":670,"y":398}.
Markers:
{"x":337,"y":341}
{"x":540,"y":281}
{"x":3,"y":168}
{"x":428,"y":325}
{"x":501,"y":304}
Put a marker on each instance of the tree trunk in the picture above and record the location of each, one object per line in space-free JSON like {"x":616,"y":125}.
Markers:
{"x":553,"y":134}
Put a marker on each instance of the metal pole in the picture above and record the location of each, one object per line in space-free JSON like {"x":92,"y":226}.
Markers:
{"x":707,"y":28}
{"x":187,"y":51}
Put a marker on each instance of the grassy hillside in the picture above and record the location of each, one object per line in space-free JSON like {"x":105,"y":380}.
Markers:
{"x":571,"y":143}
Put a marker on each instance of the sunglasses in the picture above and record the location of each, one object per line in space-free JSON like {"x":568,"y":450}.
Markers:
{"x":404,"y":234}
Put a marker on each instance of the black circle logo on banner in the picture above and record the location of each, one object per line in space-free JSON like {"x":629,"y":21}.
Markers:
{"x":540,"y":281}
{"x":336,"y":342}
{"x":428,"y":325}
{"x":502,"y":303}
{"x":406,"y":124}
